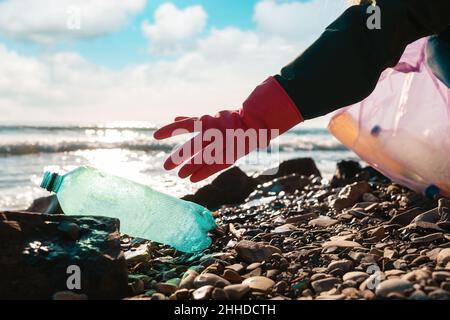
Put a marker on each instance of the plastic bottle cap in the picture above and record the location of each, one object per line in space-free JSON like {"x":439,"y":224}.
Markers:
{"x":51,"y":181}
{"x":376,"y":130}
{"x":432,"y":191}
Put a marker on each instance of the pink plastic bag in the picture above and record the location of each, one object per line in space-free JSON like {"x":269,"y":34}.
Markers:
{"x":403,"y":128}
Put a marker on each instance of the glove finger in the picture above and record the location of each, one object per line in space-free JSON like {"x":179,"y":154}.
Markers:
{"x":180,"y":118}
{"x":202,"y":159}
{"x":185,"y":152}
{"x":175,"y":128}
{"x":193,"y":165}
{"x":207,"y":171}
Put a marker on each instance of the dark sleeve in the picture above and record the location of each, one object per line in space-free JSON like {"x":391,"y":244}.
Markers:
{"x":438,"y":56}
{"x":343,"y":66}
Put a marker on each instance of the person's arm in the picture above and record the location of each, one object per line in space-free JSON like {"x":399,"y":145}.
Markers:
{"x":343,"y":66}
{"x":438,"y":56}
{"x":339,"y":69}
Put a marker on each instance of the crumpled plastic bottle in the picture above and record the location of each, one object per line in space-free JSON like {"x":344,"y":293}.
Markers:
{"x":403,"y":128}
{"x":142,"y":211}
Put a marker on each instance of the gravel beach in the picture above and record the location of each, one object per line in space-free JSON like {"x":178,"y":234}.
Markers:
{"x":300,"y":237}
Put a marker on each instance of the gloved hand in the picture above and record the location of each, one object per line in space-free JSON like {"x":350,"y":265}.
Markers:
{"x":267,"y":113}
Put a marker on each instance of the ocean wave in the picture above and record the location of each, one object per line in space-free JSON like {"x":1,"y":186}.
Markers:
{"x":311,"y":143}
{"x":80,"y":128}
{"x":61,"y":147}
{"x":29,"y":148}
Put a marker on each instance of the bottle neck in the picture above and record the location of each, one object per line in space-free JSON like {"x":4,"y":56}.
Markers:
{"x":52,"y":181}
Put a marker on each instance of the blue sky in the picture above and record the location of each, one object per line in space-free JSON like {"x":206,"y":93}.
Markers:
{"x":129,"y":45}
{"x":130,"y":59}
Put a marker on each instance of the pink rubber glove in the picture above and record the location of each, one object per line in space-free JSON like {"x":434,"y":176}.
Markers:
{"x":268,"y":107}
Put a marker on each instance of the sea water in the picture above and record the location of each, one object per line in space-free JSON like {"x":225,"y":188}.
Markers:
{"x":127,"y":150}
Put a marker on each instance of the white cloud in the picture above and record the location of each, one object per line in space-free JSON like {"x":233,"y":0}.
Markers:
{"x":296,"y":20}
{"x":47,"y":21}
{"x":218,"y":70}
{"x":173,"y":27}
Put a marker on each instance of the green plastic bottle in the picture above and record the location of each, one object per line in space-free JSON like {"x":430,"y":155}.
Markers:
{"x":143,"y":212}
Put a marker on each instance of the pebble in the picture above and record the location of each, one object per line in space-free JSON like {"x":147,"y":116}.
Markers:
{"x":318,"y":276}
{"x":394,"y":273}
{"x":203,"y":293}
{"x":158,"y":296}
{"x":250,"y":251}
{"x":418,"y":295}
{"x":368,"y":197}
{"x":443,"y":257}
{"x":341,"y":244}
{"x":325,"y":284}
{"x":281,"y":287}
{"x":343,"y":265}
{"x":236,"y":267}
{"x":406,"y":217}
{"x":302,"y":219}
{"x":139,"y":255}
{"x":187,"y":282}
{"x":219,"y":294}
{"x":165,"y":288}
{"x":259,"y":283}
{"x":392,"y":286}
{"x":420,"y":260}
{"x":210,"y":279}
{"x":182,"y":294}
{"x":441,"y":276}
{"x":237,"y":291}
{"x":323,"y":221}
{"x":332,"y":297}
{"x":253,"y":266}
{"x":272,"y":273}
{"x":439,"y":294}
{"x":350,"y":194}
{"x":356,"y":276}
{"x":232,"y":276}
{"x":351,"y":293}
{"x":429,"y":238}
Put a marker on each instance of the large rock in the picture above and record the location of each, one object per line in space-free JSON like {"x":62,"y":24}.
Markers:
{"x":231,"y":187}
{"x":349,"y":171}
{"x":346,"y":172}
{"x":48,"y":205}
{"x":288,"y":184}
{"x":36,"y":251}
{"x":350,"y":195}
{"x":301,"y":166}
